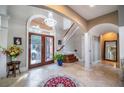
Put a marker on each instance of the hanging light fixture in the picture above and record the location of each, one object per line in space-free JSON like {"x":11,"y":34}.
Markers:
{"x":50,"y":21}
{"x":92,"y":5}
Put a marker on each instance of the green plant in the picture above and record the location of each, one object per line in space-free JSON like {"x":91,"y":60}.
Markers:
{"x":59,"y":57}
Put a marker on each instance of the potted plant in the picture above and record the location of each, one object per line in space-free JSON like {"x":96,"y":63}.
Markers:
{"x":60,"y":58}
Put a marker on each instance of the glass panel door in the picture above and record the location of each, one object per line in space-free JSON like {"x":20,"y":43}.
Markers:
{"x":35,"y":49}
{"x":49,"y":48}
{"x":41,"y":50}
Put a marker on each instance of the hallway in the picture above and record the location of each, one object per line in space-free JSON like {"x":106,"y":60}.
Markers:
{"x":99,"y":76}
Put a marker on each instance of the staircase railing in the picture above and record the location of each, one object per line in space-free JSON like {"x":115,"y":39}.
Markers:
{"x":68,"y":35}
{"x":65,"y":40}
{"x":68,"y":30}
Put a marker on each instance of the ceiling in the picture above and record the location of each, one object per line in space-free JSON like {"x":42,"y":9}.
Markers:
{"x":15,"y":11}
{"x":40,"y":23}
{"x":92,"y":12}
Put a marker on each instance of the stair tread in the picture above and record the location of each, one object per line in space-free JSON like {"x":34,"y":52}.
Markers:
{"x":73,"y":60}
{"x":69,"y":55}
{"x":70,"y":58}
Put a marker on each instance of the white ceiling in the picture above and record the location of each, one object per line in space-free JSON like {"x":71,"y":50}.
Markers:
{"x":92,"y":12}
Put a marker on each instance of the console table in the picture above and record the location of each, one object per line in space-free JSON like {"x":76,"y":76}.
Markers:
{"x":13,"y":66}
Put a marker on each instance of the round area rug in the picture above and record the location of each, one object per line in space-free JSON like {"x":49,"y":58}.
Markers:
{"x":60,"y":81}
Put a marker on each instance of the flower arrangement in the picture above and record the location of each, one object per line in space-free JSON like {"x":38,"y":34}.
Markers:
{"x":13,"y":51}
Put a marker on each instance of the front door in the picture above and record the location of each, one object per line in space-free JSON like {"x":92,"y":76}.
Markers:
{"x":49,"y":49}
{"x":41,"y":49}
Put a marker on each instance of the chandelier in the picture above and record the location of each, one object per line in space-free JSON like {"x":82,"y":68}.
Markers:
{"x":50,"y":21}
{"x":35,"y":28}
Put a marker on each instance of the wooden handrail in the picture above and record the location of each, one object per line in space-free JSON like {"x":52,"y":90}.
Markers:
{"x":69,"y":29}
{"x":61,"y":48}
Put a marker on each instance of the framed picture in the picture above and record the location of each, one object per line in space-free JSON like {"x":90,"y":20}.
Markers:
{"x":59,"y":42}
{"x":17,"y":40}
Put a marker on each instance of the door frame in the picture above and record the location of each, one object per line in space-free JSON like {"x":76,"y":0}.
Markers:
{"x":42,"y":48}
{"x":116,"y":50}
{"x":52,"y":61}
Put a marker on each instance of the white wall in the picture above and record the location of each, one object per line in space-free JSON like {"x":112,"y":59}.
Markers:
{"x":66,"y":23}
{"x":121,"y":31}
{"x":76,"y":42}
{"x":3,"y":39}
{"x":121,"y":15}
{"x":59,"y":31}
{"x":17,"y":27}
{"x":19,"y":16}
{"x":121,"y":41}
{"x":79,"y":44}
{"x":3,"y":10}
{"x":3,"y":59}
{"x":95,"y":49}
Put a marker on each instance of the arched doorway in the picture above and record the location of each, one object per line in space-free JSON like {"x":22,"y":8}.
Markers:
{"x":40,"y":42}
{"x":100,"y":34}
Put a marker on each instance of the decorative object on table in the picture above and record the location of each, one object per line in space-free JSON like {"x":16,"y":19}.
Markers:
{"x":17,"y":40}
{"x":13,"y":51}
{"x":75,"y":50}
{"x":60,"y":58}
{"x":60,"y":81}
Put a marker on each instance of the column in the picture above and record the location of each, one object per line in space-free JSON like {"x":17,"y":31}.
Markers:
{"x":3,"y":43}
{"x":87,"y":51}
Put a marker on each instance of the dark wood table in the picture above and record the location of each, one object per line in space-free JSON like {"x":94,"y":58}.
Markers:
{"x":13,"y":66}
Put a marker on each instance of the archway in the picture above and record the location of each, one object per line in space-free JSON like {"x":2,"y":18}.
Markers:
{"x":100,"y":29}
{"x":38,"y":34}
{"x":97,"y":44}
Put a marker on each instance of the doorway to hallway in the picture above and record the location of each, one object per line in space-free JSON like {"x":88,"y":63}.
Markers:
{"x":41,"y":49}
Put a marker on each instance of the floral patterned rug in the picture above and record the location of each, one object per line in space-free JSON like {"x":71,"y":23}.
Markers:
{"x":60,"y":81}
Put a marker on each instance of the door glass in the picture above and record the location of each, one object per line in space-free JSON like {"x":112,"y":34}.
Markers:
{"x":48,"y":48}
{"x":35,"y":49}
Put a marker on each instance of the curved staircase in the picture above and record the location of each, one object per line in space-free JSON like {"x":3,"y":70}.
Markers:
{"x":70,"y":58}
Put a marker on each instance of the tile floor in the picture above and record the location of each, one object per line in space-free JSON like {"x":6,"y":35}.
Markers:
{"x":99,"y":76}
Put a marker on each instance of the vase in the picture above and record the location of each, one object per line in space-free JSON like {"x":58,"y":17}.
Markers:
{"x":60,"y":62}
{"x":13,"y":59}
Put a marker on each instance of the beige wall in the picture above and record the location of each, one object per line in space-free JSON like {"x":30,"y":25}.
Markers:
{"x":106,"y":37}
{"x":109,"y":18}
